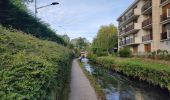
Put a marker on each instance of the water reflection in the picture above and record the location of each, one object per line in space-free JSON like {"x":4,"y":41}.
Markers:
{"x":119,"y":87}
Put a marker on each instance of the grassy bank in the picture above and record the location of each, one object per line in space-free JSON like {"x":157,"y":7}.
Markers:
{"x":31,"y":68}
{"x":154,"y":73}
{"x":94,"y":83}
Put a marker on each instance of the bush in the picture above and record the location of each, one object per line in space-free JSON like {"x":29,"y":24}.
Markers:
{"x":32,"y":69}
{"x":14,"y":13}
{"x":91,"y":56}
{"x":106,"y":61}
{"x":125,"y":52}
{"x":100,"y":52}
{"x":153,"y":73}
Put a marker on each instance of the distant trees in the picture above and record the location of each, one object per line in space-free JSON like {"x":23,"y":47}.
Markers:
{"x":80,"y":43}
{"x":13,"y":13}
{"x":66,"y":38}
{"x":106,"y":38}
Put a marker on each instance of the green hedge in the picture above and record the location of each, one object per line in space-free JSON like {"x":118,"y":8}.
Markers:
{"x":153,"y":73}
{"x":14,"y":13}
{"x":31,"y":68}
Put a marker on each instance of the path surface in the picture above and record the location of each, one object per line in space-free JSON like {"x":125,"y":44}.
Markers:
{"x":80,"y":85}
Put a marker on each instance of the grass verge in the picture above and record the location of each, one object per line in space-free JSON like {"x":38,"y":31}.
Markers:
{"x":154,"y":73}
{"x":99,"y":91}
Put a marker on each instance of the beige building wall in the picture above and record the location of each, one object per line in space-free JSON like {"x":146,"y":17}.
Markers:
{"x":156,"y":43}
{"x":156,"y":25}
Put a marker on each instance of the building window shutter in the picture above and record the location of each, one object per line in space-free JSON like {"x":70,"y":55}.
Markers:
{"x":168,"y":12}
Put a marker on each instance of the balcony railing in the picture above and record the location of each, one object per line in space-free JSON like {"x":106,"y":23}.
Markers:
{"x":129,"y":15}
{"x":147,"y":5}
{"x":147,"y":22}
{"x":147,"y":37}
{"x":127,"y":42}
{"x":162,"y":1}
{"x":130,"y":41}
{"x":164,"y":17}
{"x":164,"y":36}
{"x":121,"y":32}
{"x":129,"y":28}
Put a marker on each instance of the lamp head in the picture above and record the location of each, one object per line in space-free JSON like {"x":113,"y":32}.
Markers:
{"x":55,"y":3}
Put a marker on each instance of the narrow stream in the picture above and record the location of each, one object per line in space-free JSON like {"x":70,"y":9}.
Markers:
{"x":119,"y":87}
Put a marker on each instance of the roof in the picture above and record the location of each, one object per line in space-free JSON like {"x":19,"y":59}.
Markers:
{"x":129,"y":8}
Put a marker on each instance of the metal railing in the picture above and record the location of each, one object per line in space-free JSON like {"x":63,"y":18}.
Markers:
{"x":147,"y":22}
{"x":162,"y":1}
{"x":127,"y":42}
{"x":146,"y":6}
{"x":147,"y":37}
{"x":129,"y":28}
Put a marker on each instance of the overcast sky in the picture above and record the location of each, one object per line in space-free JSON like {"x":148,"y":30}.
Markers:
{"x":80,"y":18}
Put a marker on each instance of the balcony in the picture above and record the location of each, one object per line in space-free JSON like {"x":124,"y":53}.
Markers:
{"x":146,"y":38}
{"x":147,"y":8}
{"x":127,"y":42}
{"x":147,"y":24}
{"x":164,"y":2}
{"x":129,"y":28}
{"x":165,"y":19}
{"x":134,"y":28}
{"x":130,"y":41}
{"x":131,"y":17}
{"x":121,"y":32}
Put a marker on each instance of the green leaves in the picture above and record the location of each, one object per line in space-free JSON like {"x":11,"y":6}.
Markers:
{"x":31,"y":68}
{"x":14,"y":13}
{"x":154,"y":73}
{"x":106,"y":38}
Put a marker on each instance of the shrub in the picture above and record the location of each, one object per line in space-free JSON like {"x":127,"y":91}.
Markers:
{"x":101,"y":52}
{"x":114,"y":54}
{"x":105,"y":61}
{"x":125,"y":52}
{"x":153,"y":73}
{"x":32,"y":69}
{"x":91,"y":56}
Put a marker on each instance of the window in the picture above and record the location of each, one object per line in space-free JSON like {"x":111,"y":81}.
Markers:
{"x":168,"y":33}
{"x":168,"y":12}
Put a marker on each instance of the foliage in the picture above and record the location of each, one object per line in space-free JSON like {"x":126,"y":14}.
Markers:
{"x":31,"y":68}
{"x":91,"y":56}
{"x":80,"y":43}
{"x":106,"y":61}
{"x":158,"y":54}
{"x":106,"y":38}
{"x":125,"y":52}
{"x":153,"y":73}
{"x":13,"y":13}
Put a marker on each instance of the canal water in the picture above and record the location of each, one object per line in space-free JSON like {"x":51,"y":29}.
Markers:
{"x":119,"y":87}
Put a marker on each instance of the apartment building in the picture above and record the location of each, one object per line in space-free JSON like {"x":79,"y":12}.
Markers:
{"x":145,"y":26}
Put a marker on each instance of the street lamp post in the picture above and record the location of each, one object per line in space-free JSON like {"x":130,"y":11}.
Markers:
{"x":36,"y":8}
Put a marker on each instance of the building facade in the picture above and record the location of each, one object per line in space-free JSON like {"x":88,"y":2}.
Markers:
{"x":145,"y":26}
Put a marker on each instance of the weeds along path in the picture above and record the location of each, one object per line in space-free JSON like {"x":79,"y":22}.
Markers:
{"x":80,"y":85}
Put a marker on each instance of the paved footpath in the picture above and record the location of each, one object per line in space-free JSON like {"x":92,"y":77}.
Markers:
{"x":80,"y":85}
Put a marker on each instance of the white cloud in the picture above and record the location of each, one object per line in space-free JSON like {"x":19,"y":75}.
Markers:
{"x":80,"y":17}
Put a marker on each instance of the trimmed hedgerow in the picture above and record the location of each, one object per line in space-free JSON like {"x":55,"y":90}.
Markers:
{"x":153,"y":73}
{"x":32,"y":69}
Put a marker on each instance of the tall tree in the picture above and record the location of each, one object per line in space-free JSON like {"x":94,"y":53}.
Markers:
{"x":106,"y":38}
